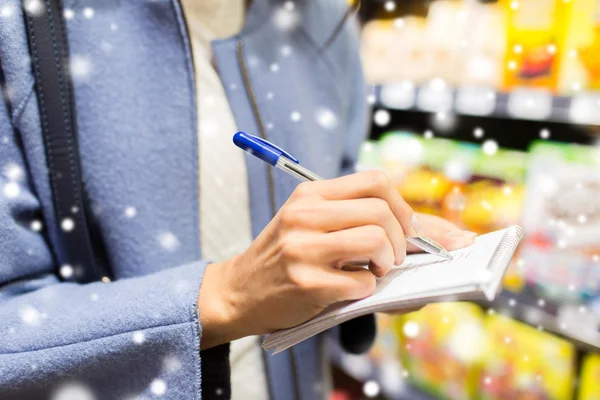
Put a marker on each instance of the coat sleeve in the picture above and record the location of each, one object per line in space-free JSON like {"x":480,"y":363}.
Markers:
{"x":133,"y":338}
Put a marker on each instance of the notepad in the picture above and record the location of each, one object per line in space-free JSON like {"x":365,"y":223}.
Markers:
{"x":475,"y":273}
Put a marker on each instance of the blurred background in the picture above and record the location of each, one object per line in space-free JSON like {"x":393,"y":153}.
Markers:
{"x":488,"y":113}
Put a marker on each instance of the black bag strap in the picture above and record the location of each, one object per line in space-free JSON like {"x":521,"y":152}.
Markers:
{"x":50,"y":60}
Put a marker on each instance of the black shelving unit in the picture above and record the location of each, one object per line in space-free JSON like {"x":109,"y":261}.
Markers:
{"x":508,"y":130}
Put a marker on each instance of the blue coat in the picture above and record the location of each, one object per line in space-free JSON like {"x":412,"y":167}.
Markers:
{"x":136,"y":114}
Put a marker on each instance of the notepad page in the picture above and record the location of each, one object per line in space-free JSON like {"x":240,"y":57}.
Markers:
{"x":421,"y":278}
{"x":423,"y":274}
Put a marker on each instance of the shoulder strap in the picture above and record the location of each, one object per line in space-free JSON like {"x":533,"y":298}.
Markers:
{"x":49,"y":59}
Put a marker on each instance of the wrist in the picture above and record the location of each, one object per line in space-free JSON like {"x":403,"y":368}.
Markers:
{"x":217,"y":313}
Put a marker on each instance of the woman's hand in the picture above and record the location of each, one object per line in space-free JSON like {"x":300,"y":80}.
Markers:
{"x":450,"y":236}
{"x":442,"y":231}
{"x":293,"y":270}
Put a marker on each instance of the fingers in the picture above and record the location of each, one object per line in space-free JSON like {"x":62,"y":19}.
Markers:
{"x":450,"y":236}
{"x":366,"y":242}
{"x":369,"y":184}
{"x":338,"y":285}
{"x":337,"y":215}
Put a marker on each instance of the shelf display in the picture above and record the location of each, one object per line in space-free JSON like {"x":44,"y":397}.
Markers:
{"x":589,"y":386}
{"x":561,"y":252}
{"x":459,"y":82}
{"x":482,"y":187}
{"x":506,"y":45}
{"x":442,"y":349}
{"x":524,"y":363}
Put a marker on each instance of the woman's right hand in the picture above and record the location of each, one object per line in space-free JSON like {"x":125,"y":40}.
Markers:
{"x":293,"y":270}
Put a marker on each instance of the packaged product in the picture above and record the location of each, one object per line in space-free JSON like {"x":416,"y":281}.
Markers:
{"x":589,"y":381}
{"x":561,"y":219}
{"x":525,"y":364}
{"x":443,"y":346}
{"x":536,"y":33}
{"x":580,"y":64}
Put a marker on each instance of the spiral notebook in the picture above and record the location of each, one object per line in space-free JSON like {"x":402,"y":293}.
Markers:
{"x":475,"y":272}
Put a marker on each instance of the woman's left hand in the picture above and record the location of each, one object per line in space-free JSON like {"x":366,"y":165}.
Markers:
{"x":442,"y":231}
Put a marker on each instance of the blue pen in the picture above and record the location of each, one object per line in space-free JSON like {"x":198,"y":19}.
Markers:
{"x":283,"y":160}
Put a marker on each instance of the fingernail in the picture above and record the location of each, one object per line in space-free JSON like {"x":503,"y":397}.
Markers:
{"x":416,"y":223}
{"x":462,"y":234}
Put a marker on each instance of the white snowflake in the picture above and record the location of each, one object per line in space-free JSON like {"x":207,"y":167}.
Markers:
{"x":68,"y":13}
{"x":13,"y":172}
{"x":34,"y":7}
{"x":158,"y":387}
{"x":94,"y":297}
{"x":541,"y":302}
{"x":390,"y":5}
{"x":66,"y":271}
{"x":289,"y":5}
{"x":286,"y":51}
{"x":285,"y":19}
{"x":274,"y":67}
{"x":270,"y":96}
{"x":371,"y":99}
{"x":232,"y":86}
{"x":326,"y":118}
{"x":138,"y":337}
{"x":209,"y":126}
{"x":74,"y":209}
{"x":6,"y":11}
{"x":130,"y":212}
{"x":113,"y":27}
{"x":428,"y":134}
{"x":80,"y":67}
{"x":171,"y":364}
{"x":30,"y":315}
{"x":4,"y":139}
{"x":67,"y":224}
{"x":11,"y":190}
{"x":490,"y":147}
{"x":371,"y":388}
{"x":382,"y":117}
{"x":478,"y":132}
{"x":36,"y":225}
{"x":269,"y":125}
{"x":411,"y":329}
{"x":296,"y":116}
{"x":105,"y":46}
{"x":168,"y":241}
{"x":545,"y":133}
{"x":88,"y":12}
{"x":73,"y":391}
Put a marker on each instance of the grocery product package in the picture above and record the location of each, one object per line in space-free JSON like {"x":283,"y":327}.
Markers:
{"x":524,"y":363}
{"x":561,"y":218}
{"x":443,"y":346}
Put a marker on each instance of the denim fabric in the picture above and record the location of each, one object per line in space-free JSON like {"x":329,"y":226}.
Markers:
{"x":134,"y":93}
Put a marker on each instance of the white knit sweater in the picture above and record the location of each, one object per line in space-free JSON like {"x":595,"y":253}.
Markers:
{"x":224,"y":205}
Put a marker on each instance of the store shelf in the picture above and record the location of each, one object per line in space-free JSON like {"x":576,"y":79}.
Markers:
{"x":361,"y":369}
{"x":523,"y":104}
{"x":574,"y":322}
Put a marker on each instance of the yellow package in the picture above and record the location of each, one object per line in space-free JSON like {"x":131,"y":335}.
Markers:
{"x":536,"y":31}
{"x":589,"y":383}
{"x":525,"y":364}
{"x":442,"y":349}
{"x":580,"y":64}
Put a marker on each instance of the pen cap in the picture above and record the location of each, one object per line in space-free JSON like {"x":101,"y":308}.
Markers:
{"x":260,"y":148}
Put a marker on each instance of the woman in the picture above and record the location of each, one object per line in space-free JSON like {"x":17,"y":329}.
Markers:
{"x":157,"y":102}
